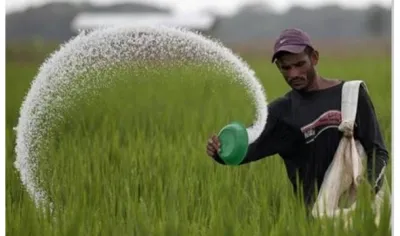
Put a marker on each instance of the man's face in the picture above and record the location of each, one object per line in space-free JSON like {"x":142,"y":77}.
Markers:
{"x":298,"y":69}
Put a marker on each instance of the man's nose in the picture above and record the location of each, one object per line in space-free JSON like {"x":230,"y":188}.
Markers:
{"x":293,"y":73}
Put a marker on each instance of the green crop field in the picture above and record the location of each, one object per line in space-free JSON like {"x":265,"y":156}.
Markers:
{"x":133,"y":161}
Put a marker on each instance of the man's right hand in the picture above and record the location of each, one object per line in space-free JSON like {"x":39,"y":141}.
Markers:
{"x":213,"y":145}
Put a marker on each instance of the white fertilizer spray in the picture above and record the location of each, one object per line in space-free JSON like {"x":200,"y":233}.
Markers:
{"x":60,"y":79}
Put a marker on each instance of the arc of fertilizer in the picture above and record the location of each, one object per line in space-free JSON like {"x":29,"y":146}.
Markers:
{"x":99,"y":49}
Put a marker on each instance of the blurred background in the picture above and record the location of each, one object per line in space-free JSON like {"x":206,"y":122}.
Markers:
{"x":246,"y":26}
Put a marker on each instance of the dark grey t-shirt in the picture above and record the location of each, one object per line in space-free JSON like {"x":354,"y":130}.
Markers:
{"x":303,"y":129}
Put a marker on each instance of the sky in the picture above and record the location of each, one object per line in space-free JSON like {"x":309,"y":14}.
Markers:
{"x":221,"y":6}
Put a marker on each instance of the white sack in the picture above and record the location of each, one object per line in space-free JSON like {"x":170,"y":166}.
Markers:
{"x":348,"y":165}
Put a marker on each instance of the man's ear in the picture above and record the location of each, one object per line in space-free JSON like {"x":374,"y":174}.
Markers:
{"x":314,"y":57}
{"x":277,"y":65}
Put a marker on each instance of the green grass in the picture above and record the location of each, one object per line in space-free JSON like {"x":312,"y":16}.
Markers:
{"x":134,"y":161}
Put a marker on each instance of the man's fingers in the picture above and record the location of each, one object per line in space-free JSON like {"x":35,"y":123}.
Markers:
{"x":210,"y":153}
{"x":216,"y":142}
{"x":210,"y":141}
{"x":213,"y":145}
{"x":213,"y":142}
{"x":215,"y":139}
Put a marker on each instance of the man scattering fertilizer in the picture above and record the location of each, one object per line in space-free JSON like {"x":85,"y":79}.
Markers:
{"x":303,"y":125}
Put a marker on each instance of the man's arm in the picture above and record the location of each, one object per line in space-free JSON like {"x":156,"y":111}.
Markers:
{"x":368,"y":132}
{"x":277,"y":137}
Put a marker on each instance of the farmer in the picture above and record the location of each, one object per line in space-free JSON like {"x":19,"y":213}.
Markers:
{"x":302,"y":125}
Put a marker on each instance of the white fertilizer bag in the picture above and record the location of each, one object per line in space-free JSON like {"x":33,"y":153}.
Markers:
{"x":348,"y":165}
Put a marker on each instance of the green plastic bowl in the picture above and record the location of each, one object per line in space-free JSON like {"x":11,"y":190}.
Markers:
{"x":234,"y":143}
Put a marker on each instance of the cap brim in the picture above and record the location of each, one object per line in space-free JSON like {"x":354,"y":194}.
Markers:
{"x":289,"y":48}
